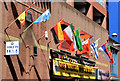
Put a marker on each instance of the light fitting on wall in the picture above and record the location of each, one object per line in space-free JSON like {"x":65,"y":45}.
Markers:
{"x":114,"y":35}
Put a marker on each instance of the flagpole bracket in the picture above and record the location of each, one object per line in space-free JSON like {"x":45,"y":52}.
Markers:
{"x":24,"y":41}
{"x":5,"y":30}
{"x":32,"y":56}
{"x":48,"y":43}
{"x":40,"y":38}
{"x":58,"y":46}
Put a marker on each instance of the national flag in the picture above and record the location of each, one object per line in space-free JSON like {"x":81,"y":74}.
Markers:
{"x":70,"y":38}
{"x":44,"y":17}
{"x":22,"y":16}
{"x":109,"y":51}
{"x":85,"y":39}
{"x":55,"y":37}
{"x":60,"y":32}
{"x":94,"y":47}
{"x":78,"y":41}
{"x":57,"y":32}
{"x":106,"y":54}
{"x":85,"y":45}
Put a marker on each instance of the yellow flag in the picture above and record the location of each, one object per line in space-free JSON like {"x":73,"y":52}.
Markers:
{"x":60,"y":32}
{"x":21,"y":18}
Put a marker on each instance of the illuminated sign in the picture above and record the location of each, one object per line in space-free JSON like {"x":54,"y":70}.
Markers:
{"x":12,"y":48}
{"x":71,"y":69}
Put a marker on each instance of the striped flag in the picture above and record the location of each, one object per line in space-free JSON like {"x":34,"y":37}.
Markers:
{"x":70,"y":38}
{"x":78,"y":41}
{"x":57,"y":32}
{"x":94,"y":47}
{"x":106,"y":53}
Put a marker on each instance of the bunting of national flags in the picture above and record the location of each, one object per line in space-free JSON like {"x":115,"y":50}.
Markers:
{"x":43,"y":18}
{"x":69,"y":35}
{"x":72,"y":38}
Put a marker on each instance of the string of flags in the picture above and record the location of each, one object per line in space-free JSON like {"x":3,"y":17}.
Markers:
{"x":61,"y":33}
{"x":43,"y":18}
{"x":72,"y":38}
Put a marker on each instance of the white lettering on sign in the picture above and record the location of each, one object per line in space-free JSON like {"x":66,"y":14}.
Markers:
{"x":12,"y":48}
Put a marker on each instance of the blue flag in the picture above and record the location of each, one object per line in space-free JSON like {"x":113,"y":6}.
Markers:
{"x":44,"y":17}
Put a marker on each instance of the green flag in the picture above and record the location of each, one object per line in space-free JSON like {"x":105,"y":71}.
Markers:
{"x":108,"y":48}
{"x":78,"y":41}
{"x":71,"y":26}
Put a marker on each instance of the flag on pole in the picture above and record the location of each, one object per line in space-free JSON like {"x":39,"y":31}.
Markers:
{"x":60,"y":32}
{"x":86,"y":45}
{"x":22,"y":16}
{"x":109,"y":51}
{"x":78,"y":41}
{"x":70,"y":38}
{"x":44,"y":17}
{"x":94,"y":47}
{"x":85,"y":39}
{"x":57,"y":32}
{"x":106,"y":54}
{"x":55,"y":37}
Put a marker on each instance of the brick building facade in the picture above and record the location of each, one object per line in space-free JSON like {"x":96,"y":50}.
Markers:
{"x":28,"y":66}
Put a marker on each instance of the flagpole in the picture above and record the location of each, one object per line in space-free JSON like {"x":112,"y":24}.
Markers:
{"x":98,"y":38}
{"x":60,"y":43}
{"x":28,"y":27}
{"x":44,"y":34}
{"x":41,"y":36}
{"x":14,"y":21}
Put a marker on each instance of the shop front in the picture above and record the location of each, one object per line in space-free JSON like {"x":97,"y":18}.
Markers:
{"x":65,"y":66}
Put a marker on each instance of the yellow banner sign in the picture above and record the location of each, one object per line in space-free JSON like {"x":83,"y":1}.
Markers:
{"x":71,"y":69}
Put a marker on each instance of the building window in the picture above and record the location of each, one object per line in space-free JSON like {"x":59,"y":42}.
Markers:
{"x":35,"y":50}
{"x":83,"y":7}
{"x":97,"y":16}
{"x":114,"y":65}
